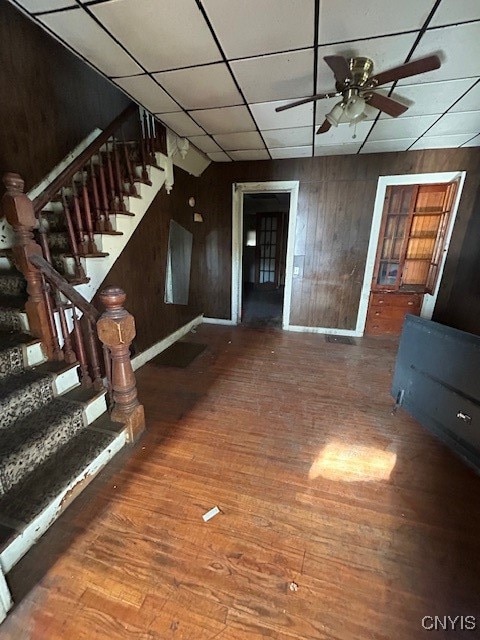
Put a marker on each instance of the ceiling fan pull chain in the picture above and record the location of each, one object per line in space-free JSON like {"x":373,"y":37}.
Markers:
{"x":354,"y":130}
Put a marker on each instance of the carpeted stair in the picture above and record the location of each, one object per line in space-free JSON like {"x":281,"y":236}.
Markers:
{"x":51,"y":428}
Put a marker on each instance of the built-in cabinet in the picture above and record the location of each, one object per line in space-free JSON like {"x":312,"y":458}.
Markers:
{"x":410,"y":249}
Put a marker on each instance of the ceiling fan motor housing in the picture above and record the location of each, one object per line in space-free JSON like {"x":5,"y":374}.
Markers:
{"x":361,"y":69}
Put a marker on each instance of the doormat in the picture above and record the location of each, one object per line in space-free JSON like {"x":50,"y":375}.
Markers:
{"x":340,"y":339}
{"x":180,"y":354}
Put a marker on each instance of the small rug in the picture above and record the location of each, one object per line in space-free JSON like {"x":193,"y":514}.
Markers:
{"x":340,"y":339}
{"x":180,"y":354}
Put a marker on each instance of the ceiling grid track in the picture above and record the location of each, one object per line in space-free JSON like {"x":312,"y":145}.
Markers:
{"x":315,"y":71}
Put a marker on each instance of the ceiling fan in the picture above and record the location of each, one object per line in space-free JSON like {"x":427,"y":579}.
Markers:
{"x":356,"y":84}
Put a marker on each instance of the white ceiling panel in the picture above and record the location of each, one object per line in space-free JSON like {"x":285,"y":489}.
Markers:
{"x":267,"y":118}
{"x":253,"y":154}
{"x":430,"y":98}
{"x":84,"y":35}
{"x":291,"y":152}
{"x":402,"y":127}
{"x":219,"y":156}
{"x":452,"y":123}
{"x":276,"y":77}
{"x":342,"y":20}
{"x":386,"y":53}
{"x":343,"y":134}
{"x":201,"y":87}
{"x":337,"y":149}
{"x":148,"y":93}
{"x":440,"y":142}
{"x":204,"y":143}
{"x":459,"y":49}
{"x":470,"y":101}
{"x":225,"y":120}
{"x":181,"y":123}
{"x":384,"y":146}
{"x":473,"y":142}
{"x":262,"y":26}
{"x":238,"y":141}
{"x":288,"y":137}
{"x":172,"y":35}
{"x":453,"y":11}
{"x":45,"y":5}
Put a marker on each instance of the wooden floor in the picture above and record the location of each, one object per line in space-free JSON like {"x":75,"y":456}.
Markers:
{"x":374,"y":522}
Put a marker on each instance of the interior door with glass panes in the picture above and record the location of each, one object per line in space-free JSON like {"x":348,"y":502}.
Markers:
{"x":267,"y":258}
{"x":410,"y":249}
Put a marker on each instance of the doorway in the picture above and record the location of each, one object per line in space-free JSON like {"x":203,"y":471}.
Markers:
{"x":272,"y":276}
{"x":265,"y":234}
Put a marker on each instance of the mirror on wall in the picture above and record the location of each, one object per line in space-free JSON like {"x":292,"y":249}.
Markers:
{"x":179,"y":259}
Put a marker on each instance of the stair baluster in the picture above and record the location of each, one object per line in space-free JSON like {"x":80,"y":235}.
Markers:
{"x":118,"y":176}
{"x":57,"y":352}
{"x":43,"y":240}
{"x":96,"y":198}
{"x":91,"y":246}
{"x":111,"y":182}
{"x":79,"y":270}
{"x":128,"y":165}
{"x":82,"y":245}
{"x":85,"y":378}
{"x":68,"y":353}
{"x":105,"y":223}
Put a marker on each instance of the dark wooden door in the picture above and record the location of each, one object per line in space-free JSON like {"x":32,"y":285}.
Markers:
{"x":267,"y":257}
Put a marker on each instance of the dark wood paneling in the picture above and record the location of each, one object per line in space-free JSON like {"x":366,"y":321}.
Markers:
{"x":140,"y":268}
{"x":335,"y":209}
{"x":50,"y":100}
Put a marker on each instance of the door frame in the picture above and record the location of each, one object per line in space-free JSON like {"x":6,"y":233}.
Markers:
{"x":429,"y":301}
{"x":238,"y":190}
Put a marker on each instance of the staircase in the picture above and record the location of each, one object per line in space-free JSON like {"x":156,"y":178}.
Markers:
{"x":60,"y":423}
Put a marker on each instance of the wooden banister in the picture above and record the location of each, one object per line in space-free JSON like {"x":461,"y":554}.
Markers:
{"x":67,"y":174}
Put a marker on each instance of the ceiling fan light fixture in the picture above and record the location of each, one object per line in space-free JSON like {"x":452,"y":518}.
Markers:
{"x":335,"y":115}
{"x":354,"y":109}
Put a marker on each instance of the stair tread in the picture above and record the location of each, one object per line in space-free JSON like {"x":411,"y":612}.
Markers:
{"x":15,"y":303}
{"x":9,"y":339}
{"x":23,"y":393}
{"x":28,"y":498}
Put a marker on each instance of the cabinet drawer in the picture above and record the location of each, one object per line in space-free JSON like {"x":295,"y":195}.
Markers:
{"x":409,"y":300}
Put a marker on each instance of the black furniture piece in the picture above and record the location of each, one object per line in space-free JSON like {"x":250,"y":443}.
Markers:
{"x":437,"y":381}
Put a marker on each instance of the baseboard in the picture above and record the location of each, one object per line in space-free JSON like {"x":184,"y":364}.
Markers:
{"x":158,"y":347}
{"x":219,"y":321}
{"x":353,"y":333}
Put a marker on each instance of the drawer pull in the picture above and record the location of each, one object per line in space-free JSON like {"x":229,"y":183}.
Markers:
{"x":465,"y":417}
{"x":377,"y":313}
{"x":410,"y":302}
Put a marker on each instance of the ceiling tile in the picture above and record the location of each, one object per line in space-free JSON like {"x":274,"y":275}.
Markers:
{"x":382,"y":146}
{"x":346,"y":20}
{"x":276,"y":77}
{"x":171,"y":36}
{"x":291,"y":152}
{"x":236,"y":141}
{"x":454,"y":11}
{"x":473,"y":142}
{"x":201,"y":87}
{"x":253,"y":154}
{"x":402,"y":127}
{"x":453,"y":123}
{"x":440,"y":142}
{"x":343,"y":134}
{"x":459,"y":49}
{"x":297,"y":137}
{"x":430,"y":98}
{"x":337,"y":149}
{"x":219,"y":156}
{"x":84,"y":35}
{"x":148,"y":93}
{"x":386,"y":53}
{"x":180,"y":123}
{"x":262,"y":26}
{"x":224,"y":120}
{"x":204,"y":143}
{"x":45,"y":5}
{"x":469,"y":102}
{"x":267,"y":118}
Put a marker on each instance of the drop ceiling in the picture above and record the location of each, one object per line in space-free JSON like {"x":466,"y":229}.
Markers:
{"x":214,"y":70}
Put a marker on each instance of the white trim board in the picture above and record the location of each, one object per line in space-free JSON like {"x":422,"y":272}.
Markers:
{"x":238,"y":189}
{"x":218,"y":321}
{"x":325,"y":330}
{"x":158,"y":347}
{"x":384,"y":182}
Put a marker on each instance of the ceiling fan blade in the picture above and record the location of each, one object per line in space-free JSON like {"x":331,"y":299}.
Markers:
{"x":406,"y":70}
{"x":340,"y":68}
{"x":297,"y":103}
{"x":324,"y":127}
{"x":382,"y":103}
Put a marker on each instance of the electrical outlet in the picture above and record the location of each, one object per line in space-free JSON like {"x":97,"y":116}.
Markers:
{"x":296,"y":271}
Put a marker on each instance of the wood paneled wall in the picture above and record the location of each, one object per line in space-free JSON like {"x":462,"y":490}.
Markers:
{"x":335,"y":209}
{"x":49,"y":99}
{"x":140,"y":268}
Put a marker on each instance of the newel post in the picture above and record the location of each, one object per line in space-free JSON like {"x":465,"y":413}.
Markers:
{"x":116,"y":330}
{"x":19,"y":212}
